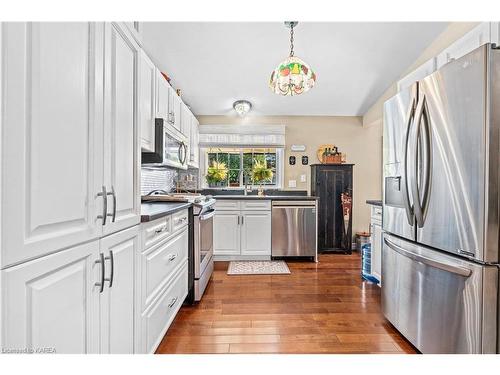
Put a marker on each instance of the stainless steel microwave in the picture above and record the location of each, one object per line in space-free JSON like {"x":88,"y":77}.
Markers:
{"x":171,"y":148}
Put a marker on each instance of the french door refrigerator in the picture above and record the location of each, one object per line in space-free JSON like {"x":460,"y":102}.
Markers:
{"x":441,"y":207}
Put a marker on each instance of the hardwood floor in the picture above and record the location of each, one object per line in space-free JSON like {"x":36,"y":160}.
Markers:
{"x":319,"y":308}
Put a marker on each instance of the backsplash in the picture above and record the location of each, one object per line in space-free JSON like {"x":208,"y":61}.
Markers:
{"x":188,"y":179}
{"x":158,"y":179}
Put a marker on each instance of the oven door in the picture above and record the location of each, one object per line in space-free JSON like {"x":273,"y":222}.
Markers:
{"x":203,"y":242}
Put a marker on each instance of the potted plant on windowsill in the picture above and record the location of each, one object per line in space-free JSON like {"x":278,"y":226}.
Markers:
{"x":261,"y":174}
{"x":216,"y":174}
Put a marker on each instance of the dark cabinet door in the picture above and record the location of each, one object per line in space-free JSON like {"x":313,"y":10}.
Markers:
{"x":328,"y":183}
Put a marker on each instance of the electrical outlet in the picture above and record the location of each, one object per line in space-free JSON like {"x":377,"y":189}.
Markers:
{"x":303,"y":178}
{"x":292,"y":183}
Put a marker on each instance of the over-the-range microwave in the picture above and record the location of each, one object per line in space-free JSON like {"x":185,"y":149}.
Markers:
{"x":171,"y":148}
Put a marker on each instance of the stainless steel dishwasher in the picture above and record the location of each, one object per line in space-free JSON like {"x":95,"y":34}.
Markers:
{"x":294,"y":229}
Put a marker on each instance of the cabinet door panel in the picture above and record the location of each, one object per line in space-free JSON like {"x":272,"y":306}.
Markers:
{"x":256,"y":233}
{"x":227,"y":233}
{"x":163,"y":92}
{"x":50,"y":163}
{"x":174,"y":108}
{"x":121,"y":150}
{"x":117,"y":301}
{"x":52,"y":302}
{"x":147,"y":97}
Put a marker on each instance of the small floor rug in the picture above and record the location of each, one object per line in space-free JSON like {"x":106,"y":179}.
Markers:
{"x":258,"y":267}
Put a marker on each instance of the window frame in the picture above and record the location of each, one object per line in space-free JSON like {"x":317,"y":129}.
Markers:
{"x":279,"y":170}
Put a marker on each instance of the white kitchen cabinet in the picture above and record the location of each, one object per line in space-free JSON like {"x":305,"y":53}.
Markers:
{"x":53,"y":302}
{"x":64,"y":306}
{"x":242,"y":229}
{"x":161,"y":278}
{"x":256,"y":233}
{"x":117,"y":298}
{"x":162,"y":96}
{"x":121,"y":145}
{"x":61,"y":147}
{"x":174,"y":108}
{"x":51,"y":131}
{"x":185,"y":120}
{"x":475,"y":38}
{"x":227,"y":233}
{"x":194,"y":140}
{"x":376,"y":242}
{"x":147,"y":98}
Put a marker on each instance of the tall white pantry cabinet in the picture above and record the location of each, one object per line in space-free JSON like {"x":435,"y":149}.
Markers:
{"x":70,"y":201}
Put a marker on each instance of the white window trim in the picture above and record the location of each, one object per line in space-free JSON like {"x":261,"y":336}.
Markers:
{"x":280,"y":169}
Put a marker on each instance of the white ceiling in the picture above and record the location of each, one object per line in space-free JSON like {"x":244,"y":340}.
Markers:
{"x":216,"y":63}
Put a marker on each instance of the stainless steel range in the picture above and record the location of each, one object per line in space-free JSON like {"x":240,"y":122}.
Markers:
{"x":202,"y":238}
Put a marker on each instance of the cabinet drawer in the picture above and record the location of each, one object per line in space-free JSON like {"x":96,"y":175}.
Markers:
{"x":155,"y":231}
{"x":227,"y":205}
{"x":256,"y":205}
{"x":158,"y":318}
{"x":376,"y":213}
{"x":179,"y":220}
{"x":159,"y":262}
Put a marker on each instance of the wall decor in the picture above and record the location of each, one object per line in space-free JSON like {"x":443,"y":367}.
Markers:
{"x":329,"y":154}
{"x":305,"y":160}
{"x":297,"y":148}
{"x":291,"y":160}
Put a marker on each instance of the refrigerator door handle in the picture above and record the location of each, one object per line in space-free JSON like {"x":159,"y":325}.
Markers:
{"x":406,"y":195}
{"x":420,"y":201}
{"x":445,"y":266}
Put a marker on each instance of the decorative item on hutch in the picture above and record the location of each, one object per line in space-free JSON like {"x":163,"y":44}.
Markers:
{"x":292,"y":76}
{"x":329,"y":154}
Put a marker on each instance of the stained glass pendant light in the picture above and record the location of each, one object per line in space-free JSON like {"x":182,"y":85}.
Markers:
{"x":292,"y":76}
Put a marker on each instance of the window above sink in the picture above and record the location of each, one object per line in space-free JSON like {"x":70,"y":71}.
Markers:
{"x":239,"y":163}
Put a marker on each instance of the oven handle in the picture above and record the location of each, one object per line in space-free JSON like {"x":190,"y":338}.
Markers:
{"x":207,"y":214}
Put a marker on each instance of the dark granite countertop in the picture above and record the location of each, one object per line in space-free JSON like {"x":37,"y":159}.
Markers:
{"x":267,"y":197}
{"x":374,"y":202}
{"x":154,"y":210}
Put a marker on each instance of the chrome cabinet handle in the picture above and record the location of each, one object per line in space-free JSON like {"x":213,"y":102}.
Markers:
{"x":172,"y":257}
{"x":172,"y":303}
{"x":171,"y":118}
{"x":104,"y":196}
{"x":113,"y":194}
{"x":112,"y":269}
{"x":238,"y":219}
{"x":445,"y":266}
{"x":242,"y":219}
{"x":101,"y":262}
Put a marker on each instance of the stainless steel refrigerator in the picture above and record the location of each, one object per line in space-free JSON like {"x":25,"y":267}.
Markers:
{"x":441,"y":207}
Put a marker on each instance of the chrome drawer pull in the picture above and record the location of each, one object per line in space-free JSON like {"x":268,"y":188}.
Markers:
{"x":158,"y":231}
{"x":172,"y":303}
{"x":172,"y":257}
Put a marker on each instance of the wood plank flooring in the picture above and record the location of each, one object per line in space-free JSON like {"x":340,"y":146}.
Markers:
{"x":320,"y":307}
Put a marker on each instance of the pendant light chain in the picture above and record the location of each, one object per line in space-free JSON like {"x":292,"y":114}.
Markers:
{"x":291,"y":40}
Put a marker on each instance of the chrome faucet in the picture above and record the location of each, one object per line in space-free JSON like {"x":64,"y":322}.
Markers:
{"x":246,"y":191}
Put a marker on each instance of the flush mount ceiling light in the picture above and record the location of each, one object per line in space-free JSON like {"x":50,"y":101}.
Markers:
{"x":242,"y":107}
{"x":293,"y":76}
